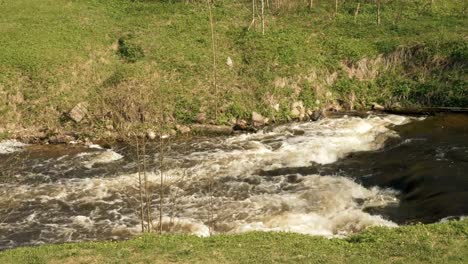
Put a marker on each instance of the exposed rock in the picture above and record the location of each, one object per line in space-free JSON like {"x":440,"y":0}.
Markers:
{"x":150,"y":134}
{"x":316,"y":115}
{"x":334,"y":107}
{"x":396,"y":105}
{"x":201,"y":118}
{"x":212,"y":129}
{"x":61,"y":139}
{"x":258,"y":120}
{"x":280,"y":82}
{"x":79,"y":112}
{"x":298,"y":132}
{"x":241,"y":124}
{"x":376,"y":106}
{"x":271,"y":101}
{"x":298,"y":110}
{"x":229,"y":62}
{"x":276,"y":107}
{"x":183,"y":129}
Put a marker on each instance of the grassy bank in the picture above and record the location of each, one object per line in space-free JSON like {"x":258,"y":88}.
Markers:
{"x":134,"y":62}
{"x":435,"y":243}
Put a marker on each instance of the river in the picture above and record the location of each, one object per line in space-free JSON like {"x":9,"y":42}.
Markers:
{"x":333,"y":178}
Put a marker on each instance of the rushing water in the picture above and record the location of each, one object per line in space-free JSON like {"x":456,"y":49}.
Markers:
{"x":333,"y":177}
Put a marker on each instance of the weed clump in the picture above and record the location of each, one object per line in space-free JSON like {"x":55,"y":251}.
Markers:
{"x":129,"y":51}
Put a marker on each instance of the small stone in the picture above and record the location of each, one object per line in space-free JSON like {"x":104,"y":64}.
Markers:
{"x":201,"y":118}
{"x":150,"y":134}
{"x":377,"y":107}
{"x":276,"y":107}
{"x":229,"y":62}
{"x":298,"y":132}
{"x":316,"y":115}
{"x":298,"y":110}
{"x":60,"y":139}
{"x":257,"y":119}
{"x":212,"y":129}
{"x":241,"y":124}
{"x":79,"y":112}
{"x":396,"y":105}
{"x":183,"y":129}
{"x":295,"y":113}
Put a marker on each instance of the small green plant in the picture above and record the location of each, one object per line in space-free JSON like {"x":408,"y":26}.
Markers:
{"x":129,"y":51}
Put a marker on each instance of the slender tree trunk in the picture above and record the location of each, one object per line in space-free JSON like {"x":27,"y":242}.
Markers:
{"x":161,"y":183}
{"x":252,"y":24}
{"x":213,"y":47}
{"x":147,"y":190}
{"x":140,"y":187}
{"x":336,"y":7}
{"x":357,"y":11}
{"x":263,"y":16}
{"x":311,"y":4}
{"x":378,"y":12}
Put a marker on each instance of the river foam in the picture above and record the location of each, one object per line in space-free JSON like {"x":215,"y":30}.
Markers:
{"x":216,"y":187}
{"x":10,"y":146}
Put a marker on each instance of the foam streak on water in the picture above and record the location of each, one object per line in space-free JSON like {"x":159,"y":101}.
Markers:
{"x":10,"y":146}
{"x":219,"y":188}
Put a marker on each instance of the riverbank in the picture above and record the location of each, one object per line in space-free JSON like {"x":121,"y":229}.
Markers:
{"x":104,"y":69}
{"x":435,"y":243}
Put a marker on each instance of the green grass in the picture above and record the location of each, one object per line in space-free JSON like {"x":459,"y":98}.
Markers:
{"x":435,"y":243}
{"x":56,"y":53}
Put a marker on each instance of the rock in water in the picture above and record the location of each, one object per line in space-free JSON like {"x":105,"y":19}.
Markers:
{"x":316,"y":115}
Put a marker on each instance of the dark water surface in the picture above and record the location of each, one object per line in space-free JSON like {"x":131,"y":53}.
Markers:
{"x":427,"y":164}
